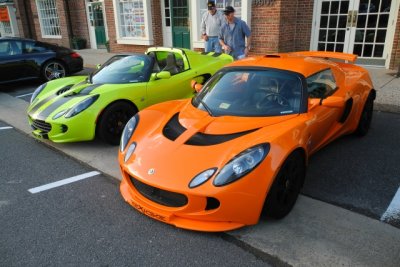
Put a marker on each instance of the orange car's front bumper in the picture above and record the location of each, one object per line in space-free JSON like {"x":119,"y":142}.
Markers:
{"x":235,"y":209}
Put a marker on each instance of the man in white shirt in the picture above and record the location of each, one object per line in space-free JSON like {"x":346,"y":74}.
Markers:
{"x":210,"y":26}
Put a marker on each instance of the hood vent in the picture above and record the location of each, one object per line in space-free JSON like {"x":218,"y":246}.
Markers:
{"x":173,"y":129}
{"x":201,"y":139}
{"x":64,"y":89}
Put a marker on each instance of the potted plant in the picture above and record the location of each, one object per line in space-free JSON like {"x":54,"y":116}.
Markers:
{"x":107,"y":44}
{"x":78,"y":42}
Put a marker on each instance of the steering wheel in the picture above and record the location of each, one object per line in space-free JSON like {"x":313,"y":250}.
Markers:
{"x":274,"y":98}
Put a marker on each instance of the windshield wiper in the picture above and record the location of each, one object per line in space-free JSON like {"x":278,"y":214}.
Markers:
{"x":206,"y":107}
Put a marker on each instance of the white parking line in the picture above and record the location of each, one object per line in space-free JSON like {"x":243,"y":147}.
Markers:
{"x":393,"y":211}
{"x":6,"y":128}
{"x":24,"y":95}
{"x":63,"y":182}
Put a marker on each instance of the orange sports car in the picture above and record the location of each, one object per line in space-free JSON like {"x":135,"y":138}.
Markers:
{"x":240,"y":147}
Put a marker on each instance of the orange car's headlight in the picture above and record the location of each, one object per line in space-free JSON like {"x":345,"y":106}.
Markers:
{"x":202,"y":177}
{"x":128,"y":131}
{"x":241,"y":165}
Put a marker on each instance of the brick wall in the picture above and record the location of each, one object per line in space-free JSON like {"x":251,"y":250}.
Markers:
{"x":156,"y":27}
{"x":304,"y":16}
{"x":283,"y":26}
{"x":265,"y":28}
{"x":24,"y":20}
{"x":79,"y":21}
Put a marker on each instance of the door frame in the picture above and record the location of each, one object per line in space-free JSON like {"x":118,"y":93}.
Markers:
{"x":92,"y":34}
{"x":393,"y":18}
{"x":167,"y":31}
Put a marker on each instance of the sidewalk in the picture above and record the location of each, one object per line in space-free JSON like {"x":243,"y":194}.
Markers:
{"x":386,"y":83}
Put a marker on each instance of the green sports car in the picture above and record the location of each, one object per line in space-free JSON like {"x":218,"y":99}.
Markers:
{"x":82,"y":107}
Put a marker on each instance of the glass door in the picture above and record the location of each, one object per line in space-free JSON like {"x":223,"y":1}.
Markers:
{"x":354,"y":26}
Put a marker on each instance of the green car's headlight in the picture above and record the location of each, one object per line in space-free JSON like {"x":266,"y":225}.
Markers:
{"x":37,"y":91}
{"x":128,"y":131}
{"x":241,"y":165}
{"x":81,"y":106}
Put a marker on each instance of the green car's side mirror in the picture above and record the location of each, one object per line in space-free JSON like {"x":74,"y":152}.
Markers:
{"x":98,"y":66}
{"x":163,"y":75}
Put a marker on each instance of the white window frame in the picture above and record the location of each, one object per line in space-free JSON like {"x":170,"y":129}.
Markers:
{"x":197,"y":42}
{"x":41,"y":21}
{"x":148,"y":40}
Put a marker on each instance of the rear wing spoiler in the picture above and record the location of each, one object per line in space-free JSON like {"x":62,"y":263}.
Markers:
{"x":328,"y":55}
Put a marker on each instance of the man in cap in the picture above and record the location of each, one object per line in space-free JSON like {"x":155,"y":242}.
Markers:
{"x":211,"y":23}
{"x":233,"y":35}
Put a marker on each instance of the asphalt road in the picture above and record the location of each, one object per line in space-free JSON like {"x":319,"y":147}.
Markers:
{"x":359,"y":174}
{"x":87,"y":222}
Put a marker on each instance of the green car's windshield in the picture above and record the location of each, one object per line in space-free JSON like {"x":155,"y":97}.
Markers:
{"x":251,"y":92}
{"x":124,"y":69}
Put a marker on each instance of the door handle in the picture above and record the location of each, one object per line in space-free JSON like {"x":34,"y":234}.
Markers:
{"x":349,"y":19}
{"x":354,"y":20}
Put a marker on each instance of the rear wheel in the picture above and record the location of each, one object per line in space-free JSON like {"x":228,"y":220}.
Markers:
{"x":53,"y":69}
{"x":366,"y":116}
{"x":286,"y":187}
{"x":113,"y":120}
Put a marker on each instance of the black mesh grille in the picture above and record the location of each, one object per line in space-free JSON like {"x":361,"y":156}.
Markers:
{"x":173,"y":129}
{"x":166,"y":198}
{"x":41,"y":125}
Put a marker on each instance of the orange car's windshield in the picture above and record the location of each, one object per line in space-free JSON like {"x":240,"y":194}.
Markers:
{"x":251,"y":92}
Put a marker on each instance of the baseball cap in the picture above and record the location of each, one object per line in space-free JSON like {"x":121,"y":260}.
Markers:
{"x":210,"y":5}
{"x":228,"y":10}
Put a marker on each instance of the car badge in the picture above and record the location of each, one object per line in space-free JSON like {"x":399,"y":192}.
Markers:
{"x":151,"y":171}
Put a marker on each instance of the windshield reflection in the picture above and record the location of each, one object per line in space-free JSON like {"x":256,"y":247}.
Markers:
{"x":250,"y":93}
{"x":124,"y":69}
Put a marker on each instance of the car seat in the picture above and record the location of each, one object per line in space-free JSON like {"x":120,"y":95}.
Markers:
{"x":171,"y":66}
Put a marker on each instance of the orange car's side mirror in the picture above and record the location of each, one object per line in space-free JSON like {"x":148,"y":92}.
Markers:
{"x":333,"y":102}
{"x":196,"y":86}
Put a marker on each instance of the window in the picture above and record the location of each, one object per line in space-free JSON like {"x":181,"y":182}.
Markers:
{"x":32,"y":47}
{"x":321,"y":85}
{"x":133,"y":21}
{"x":48,"y":18}
{"x":10,"y":48}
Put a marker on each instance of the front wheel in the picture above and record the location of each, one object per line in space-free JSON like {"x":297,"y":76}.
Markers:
{"x":286,"y":187}
{"x":53,"y":69}
{"x":113,"y":120}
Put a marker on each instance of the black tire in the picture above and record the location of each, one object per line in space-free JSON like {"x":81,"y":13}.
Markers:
{"x":366,"y":116}
{"x":53,"y":69}
{"x":286,"y":187}
{"x":113,"y":120}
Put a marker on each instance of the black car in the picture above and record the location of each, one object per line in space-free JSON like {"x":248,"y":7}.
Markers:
{"x":22,"y":59}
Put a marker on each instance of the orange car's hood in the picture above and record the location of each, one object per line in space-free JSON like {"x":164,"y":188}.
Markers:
{"x":200,"y":121}
{"x":177,"y":160}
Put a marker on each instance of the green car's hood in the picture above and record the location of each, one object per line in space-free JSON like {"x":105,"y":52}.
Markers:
{"x":62,"y":96}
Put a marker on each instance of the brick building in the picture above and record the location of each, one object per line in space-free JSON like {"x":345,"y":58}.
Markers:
{"x":369,"y":28}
